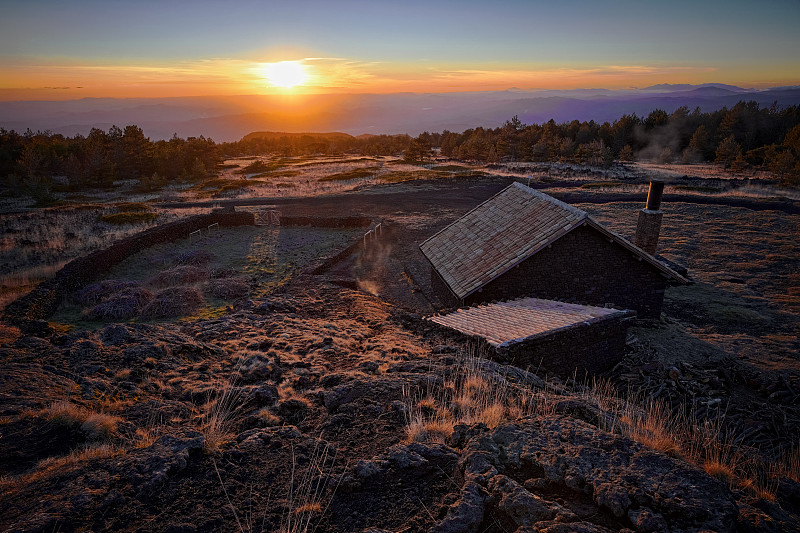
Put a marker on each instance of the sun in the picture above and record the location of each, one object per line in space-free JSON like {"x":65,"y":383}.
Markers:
{"x":286,"y":74}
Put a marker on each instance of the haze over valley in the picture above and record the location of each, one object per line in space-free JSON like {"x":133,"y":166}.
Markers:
{"x":229,"y":118}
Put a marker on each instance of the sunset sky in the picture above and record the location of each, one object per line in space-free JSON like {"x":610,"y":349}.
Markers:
{"x":57,"y":50}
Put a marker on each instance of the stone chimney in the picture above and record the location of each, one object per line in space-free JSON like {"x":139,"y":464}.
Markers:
{"x":650,"y":219}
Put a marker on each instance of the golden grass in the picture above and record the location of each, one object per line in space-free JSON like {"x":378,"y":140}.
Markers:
{"x":64,"y":413}
{"x":100,"y":426}
{"x":401,"y":176}
{"x":268,"y":417}
{"x":145,"y":437}
{"x":721,"y":471}
{"x":314,"y":507}
{"x":218,"y":416}
{"x":469,"y":396}
{"x":706,"y":445}
{"x":81,"y":455}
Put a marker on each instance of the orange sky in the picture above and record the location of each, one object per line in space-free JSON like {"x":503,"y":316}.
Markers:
{"x":88,"y":48}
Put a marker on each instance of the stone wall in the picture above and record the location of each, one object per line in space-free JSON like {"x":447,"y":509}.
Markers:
{"x":43,"y":301}
{"x":582,"y":350}
{"x":582,"y":267}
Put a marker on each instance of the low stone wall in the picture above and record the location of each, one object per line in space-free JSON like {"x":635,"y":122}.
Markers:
{"x":43,"y":301}
{"x":353,"y":248}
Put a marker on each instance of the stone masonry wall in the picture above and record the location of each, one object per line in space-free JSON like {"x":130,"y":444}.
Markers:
{"x":582,"y":267}
{"x":581,"y":350}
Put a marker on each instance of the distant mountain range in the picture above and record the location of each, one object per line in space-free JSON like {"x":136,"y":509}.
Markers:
{"x":229,"y":118}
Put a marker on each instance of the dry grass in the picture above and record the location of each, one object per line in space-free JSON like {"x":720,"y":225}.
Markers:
{"x":471,"y":396}
{"x":95,"y":425}
{"x":65,"y":414}
{"x":402,"y":175}
{"x":145,"y":437}
{"x":309,"y":490}
{"x":268,"y":417}
{"x":134,"y":207}
{"x":704,"y":444}
{"x":468,"y":396}
{"x":789,"y":465}
{"x":219,"y":415}
{"x":100,"y":426}
{"x":79,"y":456}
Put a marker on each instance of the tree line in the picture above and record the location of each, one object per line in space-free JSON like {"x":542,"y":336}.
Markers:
{"x":38,"y":162}
{"x":745,"y":135}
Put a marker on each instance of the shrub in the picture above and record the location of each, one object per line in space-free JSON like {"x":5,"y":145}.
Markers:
{"x":179,"y":275}
{"x":228,"y":288}
{"x":97,"y":292}
{"x":174,"y":301}
{"x":128,"y":217}
{"x":125,"y":304}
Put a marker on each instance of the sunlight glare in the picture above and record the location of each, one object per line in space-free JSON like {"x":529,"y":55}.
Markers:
{"x":286,"y":74}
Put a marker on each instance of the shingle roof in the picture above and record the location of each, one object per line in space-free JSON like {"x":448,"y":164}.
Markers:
{"x":504,"y":323}
{"x":505,"y":230}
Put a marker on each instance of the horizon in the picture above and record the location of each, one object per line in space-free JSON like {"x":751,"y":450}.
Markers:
{"x":91,"y":49}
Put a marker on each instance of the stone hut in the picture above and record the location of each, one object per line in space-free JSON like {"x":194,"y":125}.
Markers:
{"x":524,"y":243}
{"x":562,"y":338}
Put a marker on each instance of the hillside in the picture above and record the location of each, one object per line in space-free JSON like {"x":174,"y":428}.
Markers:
{"x":324,"y":401}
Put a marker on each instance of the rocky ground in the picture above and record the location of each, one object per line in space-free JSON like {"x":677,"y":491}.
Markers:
{"x":330,"y":406}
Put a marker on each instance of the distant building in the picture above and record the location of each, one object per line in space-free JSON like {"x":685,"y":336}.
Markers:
{"x":523,"y":243}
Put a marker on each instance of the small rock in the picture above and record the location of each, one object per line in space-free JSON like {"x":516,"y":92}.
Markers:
{"x":293,"y":410}
{"x":466,"y":515}
{"x":645,"y":519}
{"x":264,"y":396}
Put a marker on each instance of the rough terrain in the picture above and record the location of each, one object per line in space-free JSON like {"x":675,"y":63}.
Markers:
{"x":291,"y":412}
